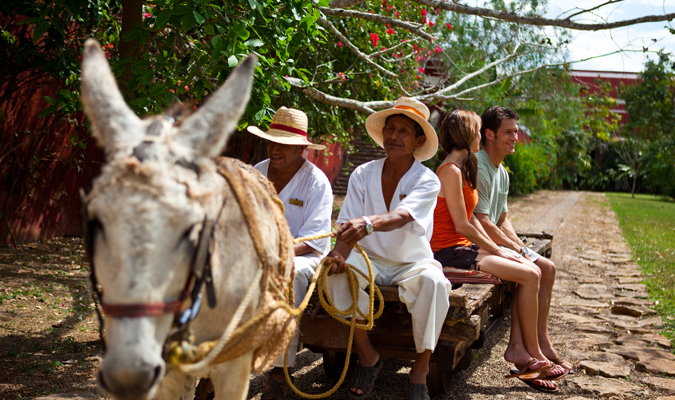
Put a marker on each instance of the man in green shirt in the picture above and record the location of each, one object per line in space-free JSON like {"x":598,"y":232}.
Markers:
{"x":499,"y":133}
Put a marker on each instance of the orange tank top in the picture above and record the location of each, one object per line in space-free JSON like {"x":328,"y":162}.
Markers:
{"x":444,"y":233}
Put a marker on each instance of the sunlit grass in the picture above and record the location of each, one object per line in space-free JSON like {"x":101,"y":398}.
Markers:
{"x":648,"y":224}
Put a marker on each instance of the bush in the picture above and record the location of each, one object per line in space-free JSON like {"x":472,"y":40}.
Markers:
{"x":529,"y":168}
{"x":659,"y":167}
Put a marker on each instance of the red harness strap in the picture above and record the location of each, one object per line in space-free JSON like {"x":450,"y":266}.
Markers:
{"x":142,"y":310}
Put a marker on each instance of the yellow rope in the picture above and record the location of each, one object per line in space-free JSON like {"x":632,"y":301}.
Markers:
{"x":320,"y":279}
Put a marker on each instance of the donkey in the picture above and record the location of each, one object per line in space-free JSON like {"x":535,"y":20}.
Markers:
{"x":146,"y":212}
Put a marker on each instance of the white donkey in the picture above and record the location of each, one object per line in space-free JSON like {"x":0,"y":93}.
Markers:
{"x":146,"y":212}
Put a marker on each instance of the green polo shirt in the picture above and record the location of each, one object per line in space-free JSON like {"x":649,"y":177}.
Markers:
{"x":493,"y":188}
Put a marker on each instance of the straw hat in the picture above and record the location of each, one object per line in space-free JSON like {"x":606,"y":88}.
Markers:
{"x":414,"y":110}
{"x":289,"y":126}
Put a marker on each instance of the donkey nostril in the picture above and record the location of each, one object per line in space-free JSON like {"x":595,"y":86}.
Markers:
{"x":159,"y":373}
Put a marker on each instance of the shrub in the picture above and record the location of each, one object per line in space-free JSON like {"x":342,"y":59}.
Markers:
{"x":529,"y":168}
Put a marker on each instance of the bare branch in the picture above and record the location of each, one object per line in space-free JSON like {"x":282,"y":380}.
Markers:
{"x":354,"y":49}
{"x":538,"y":21}
{"x":377,"y":53}
{"x":594,"y":8}
{"x":344,"y":3}
{"x":328,"y":99}
{"x":409,"y":26}
{"x":478,"y":72}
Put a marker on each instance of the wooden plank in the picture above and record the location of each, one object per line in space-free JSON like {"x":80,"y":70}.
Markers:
{"x":476,"y":295}
{"x":541,"y":235}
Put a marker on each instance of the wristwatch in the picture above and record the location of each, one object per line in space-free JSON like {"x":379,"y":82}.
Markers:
{"x":369,"y":225}
{"x":523,"y":251}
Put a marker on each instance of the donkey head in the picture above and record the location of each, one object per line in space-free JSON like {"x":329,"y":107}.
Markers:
{"x":147,"y":207}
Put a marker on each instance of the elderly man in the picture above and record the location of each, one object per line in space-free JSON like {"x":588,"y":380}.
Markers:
{"x":389,"y":209}
{"x":308,"y":201}
{"x":499,"y":133}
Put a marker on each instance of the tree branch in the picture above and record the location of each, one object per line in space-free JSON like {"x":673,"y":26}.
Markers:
{"x":344,"y":3}
{"x":411,"y":27}
{"x":594,"y":8}
{"x":508,"y":16}
{"x":328,"y":99}
{"x":354,"y":49}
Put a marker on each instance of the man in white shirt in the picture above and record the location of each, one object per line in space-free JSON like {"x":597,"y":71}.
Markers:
{"x":308,"y":203}
{"x":389,"y":210}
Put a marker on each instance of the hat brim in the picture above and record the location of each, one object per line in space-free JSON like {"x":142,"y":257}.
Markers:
{"x":282,"y":137}
{"x":375,"y":125}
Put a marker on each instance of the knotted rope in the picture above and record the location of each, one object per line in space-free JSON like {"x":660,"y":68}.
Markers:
{"x":260,"y":330}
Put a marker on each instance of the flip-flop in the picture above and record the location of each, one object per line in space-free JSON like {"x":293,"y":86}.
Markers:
{"x":418,"y":391}
{"x":364,"y":379}
{"x":560,"y":361}
{"x":540,"y":388}
{"x":544,"y":377}
{"x":529,"y":374}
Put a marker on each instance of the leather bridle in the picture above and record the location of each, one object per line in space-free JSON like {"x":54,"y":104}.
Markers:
{"x":200,"y":276}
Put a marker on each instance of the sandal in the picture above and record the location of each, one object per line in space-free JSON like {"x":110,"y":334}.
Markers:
{"x":418,"y":391}
{"x":364,"y":379}
{"x":560,"y":361}
{"x":278,"y":390}
{"x":540,"y":388}
{"x":544,"y":377}
{"x":529,"y":374}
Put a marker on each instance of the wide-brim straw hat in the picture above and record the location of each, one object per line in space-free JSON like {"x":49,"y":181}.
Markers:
{"x":289,"y":126}
{"x":414,"y":110}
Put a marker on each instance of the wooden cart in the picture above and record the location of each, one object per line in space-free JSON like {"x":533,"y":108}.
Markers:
{"x":474,"y":310}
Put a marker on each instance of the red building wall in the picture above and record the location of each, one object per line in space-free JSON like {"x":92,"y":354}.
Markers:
{"x":587,"y":78}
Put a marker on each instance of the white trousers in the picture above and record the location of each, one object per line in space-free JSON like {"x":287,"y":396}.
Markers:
{"x":422,"y":287}
{"x":305,"y":266}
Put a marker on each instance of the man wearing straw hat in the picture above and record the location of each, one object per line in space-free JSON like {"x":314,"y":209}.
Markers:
{"x":308,"y":202}
{"x":389,"y":210}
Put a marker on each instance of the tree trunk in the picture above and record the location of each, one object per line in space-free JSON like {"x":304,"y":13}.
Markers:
{"x":132,"y":16}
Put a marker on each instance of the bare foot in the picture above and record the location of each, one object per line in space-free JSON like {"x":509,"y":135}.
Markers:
{"x":521,"y":358}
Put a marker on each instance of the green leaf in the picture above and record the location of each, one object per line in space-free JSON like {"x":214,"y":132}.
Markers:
{"x":254,"y":43}
{"x":198,"y":17}
{"x":181,"y":10}
{"x":49,"y":100}
{"x":157,"y":90}
{"x":47,"y":111}
{"x":232,"y":61}
{"x":40,"y":30}
{"x":209,"y":30}
{"x":188,"y":22}
{"x":163,"y":18}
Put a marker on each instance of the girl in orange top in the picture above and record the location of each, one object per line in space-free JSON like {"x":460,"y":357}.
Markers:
{"x":460,"y":241}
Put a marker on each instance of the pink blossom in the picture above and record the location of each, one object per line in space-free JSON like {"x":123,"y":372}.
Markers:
{"x":107,"y":55}
{"x":397,"y":15}
{"x":421,"y":70}
{"x":395,"y":55}
{"x":424,"y":12}
{"x":431,"y":24}
{"x":147,"y":15}
{"x":424,"y":21}
{"x":187,"y":87}
{"x":391,"y":31}
{"x":390,"y":8}
{"x":340,"y":44}
{"x":448,"y":25}
{"x":374,"y":38}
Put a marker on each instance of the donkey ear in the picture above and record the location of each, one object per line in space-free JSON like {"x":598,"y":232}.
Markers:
{"x":114,"y":124}
{"x":207,"y":130}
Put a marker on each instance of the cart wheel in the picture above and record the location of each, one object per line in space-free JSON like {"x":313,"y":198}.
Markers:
{"x":439,"y":380}
{"x":333,"y":362}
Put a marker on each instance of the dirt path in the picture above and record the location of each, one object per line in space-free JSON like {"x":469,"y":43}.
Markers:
{"x":48,"y":338}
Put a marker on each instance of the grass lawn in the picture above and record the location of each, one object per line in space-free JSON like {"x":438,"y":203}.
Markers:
{"x":648,"y":224}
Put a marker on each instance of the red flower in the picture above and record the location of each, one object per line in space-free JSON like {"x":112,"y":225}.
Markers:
{"x":424,"y":12}
{"x":147,"y":15}
{"x":421,"y":70}
{"x":390,"y":31}
{"x":397,"y":15}
{"x":374,"y":38}
{"x":384,"y":49}
{"x":448,"y":25}
{"x":431,"y":24}
{"x":340,"y":44}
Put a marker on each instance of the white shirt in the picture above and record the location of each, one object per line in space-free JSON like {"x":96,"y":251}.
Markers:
{"x":308,"y":203}
{"x":416,"y":193}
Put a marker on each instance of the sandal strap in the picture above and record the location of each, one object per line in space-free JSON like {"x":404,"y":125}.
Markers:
{"x":278,"y":390}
